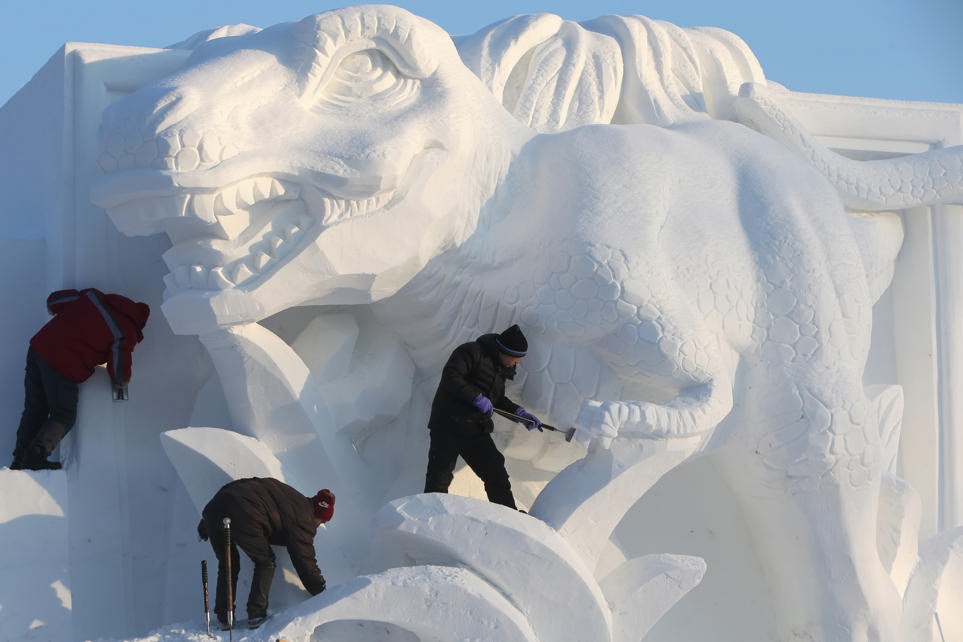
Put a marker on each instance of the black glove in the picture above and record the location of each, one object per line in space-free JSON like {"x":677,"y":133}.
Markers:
{"x":119,"y":391}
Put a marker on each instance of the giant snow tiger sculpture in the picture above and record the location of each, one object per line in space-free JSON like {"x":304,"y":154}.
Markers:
{"x":699,"y":283}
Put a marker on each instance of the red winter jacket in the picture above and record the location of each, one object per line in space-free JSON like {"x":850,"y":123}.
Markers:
{"x":90,"y":328}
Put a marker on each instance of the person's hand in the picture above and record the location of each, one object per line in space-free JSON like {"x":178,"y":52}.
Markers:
{"x":531,"y":421}
{"x":319,"y":588}
{"x":119,"y":391}
{"x":483,"y":403}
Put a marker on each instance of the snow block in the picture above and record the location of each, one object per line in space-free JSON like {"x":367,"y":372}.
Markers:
{"x":35,"y":586}
{"x":376,"y":390}
{"x":208,"y":458}
{"x":643,"y":589}
{"x":931,"y":603}
{"x":587,"y":500}
{"x":326,"y":345}
{"x":520,"y":556}
{"x":429,"y":602}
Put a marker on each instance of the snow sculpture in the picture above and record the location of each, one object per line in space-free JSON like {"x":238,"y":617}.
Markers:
{"x":689,"y":284}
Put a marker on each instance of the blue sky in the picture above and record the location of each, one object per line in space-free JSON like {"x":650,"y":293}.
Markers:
{"x":902,"y":49}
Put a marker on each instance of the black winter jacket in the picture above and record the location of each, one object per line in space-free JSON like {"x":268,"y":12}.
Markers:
{"x":474,"y":367}
{"x":266,"y":507}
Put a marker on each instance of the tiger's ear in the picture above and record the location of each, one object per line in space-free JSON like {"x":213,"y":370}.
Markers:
{"x":411,"y":44}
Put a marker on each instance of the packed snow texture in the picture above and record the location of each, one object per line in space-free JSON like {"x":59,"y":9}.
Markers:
{"x":320,"y":211}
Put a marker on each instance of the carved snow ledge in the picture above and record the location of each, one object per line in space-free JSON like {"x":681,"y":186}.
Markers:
{"x":208,"y":458}
{"x":429,"y":602}
{"x":586,"y":501}
{"x":656,"y":582}
{"x":877,"y":124}
{"x":486,"y":538}
{"x":934,"y":589}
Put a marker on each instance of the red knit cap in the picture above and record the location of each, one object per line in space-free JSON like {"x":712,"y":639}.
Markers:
{"x":323,"y":505}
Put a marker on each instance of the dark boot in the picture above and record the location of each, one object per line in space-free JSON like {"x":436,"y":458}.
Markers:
{"x":37,"y":460}
{"x":18,"y":461}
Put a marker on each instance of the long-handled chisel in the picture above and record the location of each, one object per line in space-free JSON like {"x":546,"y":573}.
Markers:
{"x":568,"y":433}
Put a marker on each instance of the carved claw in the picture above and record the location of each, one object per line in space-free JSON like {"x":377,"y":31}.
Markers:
{"x":695,"y":413}
{"x":598,"y":421}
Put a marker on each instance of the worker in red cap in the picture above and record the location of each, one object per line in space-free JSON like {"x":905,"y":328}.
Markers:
{"x":263,"y":512}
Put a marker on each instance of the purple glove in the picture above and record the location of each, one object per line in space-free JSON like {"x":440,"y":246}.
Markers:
{"x":483,"y":403}
{"x":531,"y":421}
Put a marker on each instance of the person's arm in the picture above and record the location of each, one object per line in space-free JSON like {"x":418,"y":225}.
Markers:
{"x":526,"y":418}
{"x":506,"y":404}
{"x":305,"y":561}
{"x":120,"y":362}
{"x":455,"y":382}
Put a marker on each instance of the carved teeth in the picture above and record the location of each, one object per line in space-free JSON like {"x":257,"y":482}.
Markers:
{"x":220,"y":207}
{"x":228,"y":214}
{"x":203,"y":207}
{"x":245,"y":194}
{"x":242,"y":273}
{"x":260,"y":260}
{"x":201,"y":277}
{"x":289,"y":231}
{"x":232,"y":226}
{"x":262,"y":188}
{"x":233,"y":199}
{"x":218,"y":280}
{"x":198,"y":274}
{"x":182,"y":277}
{"x":182,"y":205}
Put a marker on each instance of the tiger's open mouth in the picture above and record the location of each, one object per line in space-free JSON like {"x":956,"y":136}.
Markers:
{"x":230,"y":237}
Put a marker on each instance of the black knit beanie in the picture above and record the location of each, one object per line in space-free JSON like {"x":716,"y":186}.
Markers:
{"x":512,"y":342}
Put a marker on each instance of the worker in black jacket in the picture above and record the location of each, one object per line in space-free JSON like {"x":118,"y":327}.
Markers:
{"x":472,"y":384}
{"x":263,"y":512}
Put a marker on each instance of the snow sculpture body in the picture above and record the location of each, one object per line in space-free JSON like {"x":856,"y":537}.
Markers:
{"x":690,"y":286}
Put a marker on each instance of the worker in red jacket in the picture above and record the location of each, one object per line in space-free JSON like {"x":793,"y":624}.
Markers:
{"x":88,"y":328}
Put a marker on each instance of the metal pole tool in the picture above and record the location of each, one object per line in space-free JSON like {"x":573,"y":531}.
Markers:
{"x":569,"y":433}
{"x":230,"y":579}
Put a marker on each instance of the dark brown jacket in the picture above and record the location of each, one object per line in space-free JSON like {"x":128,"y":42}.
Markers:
{"x":266,"y":507}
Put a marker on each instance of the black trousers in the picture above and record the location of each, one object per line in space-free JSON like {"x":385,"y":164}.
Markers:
{"x":49,"y":408}
{"x":255,"y":547}
{"x":481,"y":455}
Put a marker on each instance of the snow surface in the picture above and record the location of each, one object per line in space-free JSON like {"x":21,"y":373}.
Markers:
{"x":638,"y":529}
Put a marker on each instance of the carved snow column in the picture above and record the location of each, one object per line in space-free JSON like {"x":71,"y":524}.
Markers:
{"x":948,"y":250}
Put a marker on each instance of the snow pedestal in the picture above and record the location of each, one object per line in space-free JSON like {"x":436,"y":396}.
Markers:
{"x":35,"y":579}
{"x":100,"y":547}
